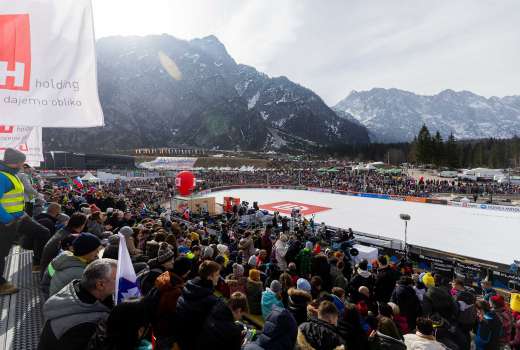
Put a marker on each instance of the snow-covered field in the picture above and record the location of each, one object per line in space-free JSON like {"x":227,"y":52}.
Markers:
{"x":484,"y":234}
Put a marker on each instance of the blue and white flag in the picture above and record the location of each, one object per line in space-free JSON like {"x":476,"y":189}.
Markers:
{"x":126,"y":280}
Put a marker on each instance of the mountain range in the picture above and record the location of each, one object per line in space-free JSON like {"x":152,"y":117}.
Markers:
{"x":160,"y":91}
{"x":393,"y":115}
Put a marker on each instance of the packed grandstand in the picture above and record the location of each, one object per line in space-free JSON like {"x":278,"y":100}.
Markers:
{"x":209,"y":279}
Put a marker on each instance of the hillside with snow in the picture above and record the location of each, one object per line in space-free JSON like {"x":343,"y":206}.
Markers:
{"x":393,"y":115}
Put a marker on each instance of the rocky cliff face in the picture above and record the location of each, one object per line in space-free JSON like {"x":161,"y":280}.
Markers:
{"x":159,"y":91}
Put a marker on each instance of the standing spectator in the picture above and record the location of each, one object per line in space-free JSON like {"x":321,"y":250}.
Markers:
{"x":350,"y":329}
{"x":266,"y":242}
{"x":515,"y":342}
{"x":220,"y":330}
{"x":14,"y":222}
{"x":279,"y":332}
{"x":66,"y":268}
{"x":71,"y":315}
{"x":321,"y":333}
{"x":385,"y":281}
{"x":423,"y":339}
{"x":498,"y":305}
{"x":487,"y":290}
{"x":280,"y":249}
{"x":195,"y":304}
{"x":304,"y":260}
{"x":361,"y":278}
{"x":246,"y":246}
{"x":406,"y":298}
{"x":489,"y":328}
{"x":50,"y":217}
{"x":254,"y":292}
{"x":271,"y":297}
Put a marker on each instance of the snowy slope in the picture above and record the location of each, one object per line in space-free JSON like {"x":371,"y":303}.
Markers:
{"x":483,"y":234}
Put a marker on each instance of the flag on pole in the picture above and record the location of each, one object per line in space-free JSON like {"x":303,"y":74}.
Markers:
{"x":78,"y":182}
{"x":48,"y":73}
{"x":126,"y":280}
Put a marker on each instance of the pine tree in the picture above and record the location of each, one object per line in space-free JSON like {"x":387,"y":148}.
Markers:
{"x":451,"y":152}
{"x":424,"y":146}
{"x":438,"y":149}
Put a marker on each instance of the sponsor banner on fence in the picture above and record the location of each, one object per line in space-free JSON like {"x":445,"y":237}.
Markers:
{"x":48,"y":64}
{"x":26,"y":139}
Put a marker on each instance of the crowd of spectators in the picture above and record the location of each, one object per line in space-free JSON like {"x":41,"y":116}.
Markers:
{"x":207,"y":283}
{"x":353,"y":181}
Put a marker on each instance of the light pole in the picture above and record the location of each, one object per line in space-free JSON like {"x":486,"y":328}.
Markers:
{"x":405,"y":218}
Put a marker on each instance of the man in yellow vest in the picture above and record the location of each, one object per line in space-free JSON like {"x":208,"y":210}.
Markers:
{"x":11,"y":209}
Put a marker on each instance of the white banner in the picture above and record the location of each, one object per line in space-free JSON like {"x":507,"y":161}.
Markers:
{"x":48,"y":64}
{"x":26,"y":139}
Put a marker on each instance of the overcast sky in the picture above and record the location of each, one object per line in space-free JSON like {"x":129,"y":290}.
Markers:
{"x":336,"y":46}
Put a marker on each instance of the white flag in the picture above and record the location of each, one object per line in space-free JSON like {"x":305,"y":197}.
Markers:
{"x":26,"y":139}
{"x":48,"y":64}
{"x":126,"y":280}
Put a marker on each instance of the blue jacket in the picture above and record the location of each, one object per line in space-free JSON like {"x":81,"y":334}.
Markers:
{"x":6,"y":186}
{"x":489,"y":332}
{"x":269,"y":300}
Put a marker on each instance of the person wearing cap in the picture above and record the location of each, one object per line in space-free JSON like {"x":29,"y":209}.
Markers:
{"x":66,"y":268}
{"x":254,"y":289}
{"x":271,"y":297}
{"x":158,"y":265}
{"x":498,"y":305}
{"x":12,"y":214}
{"x":298,"y":299}
{"x":128,"y":233}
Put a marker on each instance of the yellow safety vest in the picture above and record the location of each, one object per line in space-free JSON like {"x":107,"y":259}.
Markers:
{"x":13,"y":201}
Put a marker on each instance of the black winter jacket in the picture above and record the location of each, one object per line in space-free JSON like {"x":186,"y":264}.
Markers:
{"x":220,"y":330}
{"x":319,"y":335}
{"x":193,"y":308}
{"x":297,"y":304}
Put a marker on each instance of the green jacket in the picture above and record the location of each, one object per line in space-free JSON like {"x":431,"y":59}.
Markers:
{"x":304,"y":259}
{"x":66,"y":268}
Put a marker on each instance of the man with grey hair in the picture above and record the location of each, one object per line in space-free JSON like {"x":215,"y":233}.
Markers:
{"x":72,"y":314}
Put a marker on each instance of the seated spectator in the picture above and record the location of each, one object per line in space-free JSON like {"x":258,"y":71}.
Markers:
{"x":400,"y":321}
{"x":170,"y":285}
{"x":45,"y":283}
{"x":237,"y":281}
{"x":195,"y":304}
{"x":351,"y":330}
{"x":254,"y":292}
{"x":298,"y":300}
{"x":72,"y":314}
{"x":52,"y":248}
{"x":423,"y":337}
{"x":386,"y":324}
{"x":279,"y":332}
{"x":321,"y":333}
{"x":128,"y":233}
{"x":49,"y":218}
{"x":163,"y":262}
{"x":125,"y":328}
{"x":271,"y":297}
{"x":66,"y":268}
{"x":220,"y":330}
